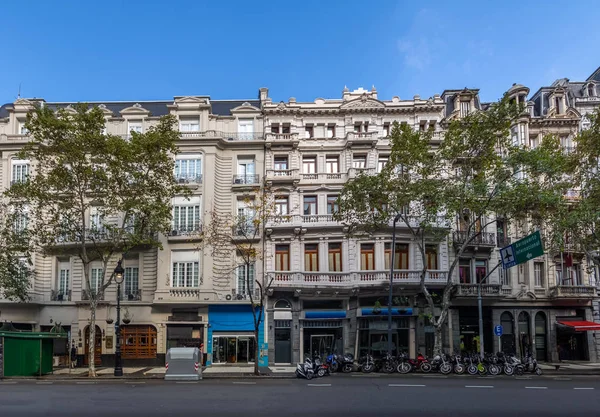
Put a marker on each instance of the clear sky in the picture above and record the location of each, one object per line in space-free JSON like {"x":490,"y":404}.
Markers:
{"x":142,"y":50}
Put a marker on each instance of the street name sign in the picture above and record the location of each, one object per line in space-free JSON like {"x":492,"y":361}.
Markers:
{"x":522,"y":250}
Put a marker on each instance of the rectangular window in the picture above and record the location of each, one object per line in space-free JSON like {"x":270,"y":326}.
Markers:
{"x":522,"y":133}
{"x":367,"y":257}
{"x":21,"y":219}
{"x":359,"y":161}
{"x":280,"y":163}
{"x":246,"y":129}
{"x":134,"y":127}
{"x":186,"y":218}
{"x":332,"y":204}
{"x":335,"y":257}
{"x":464,"y":271}
{"x":96,"y":277}
{"x":22,"y":129}
{"x":189,"y":124}
{"x":20,"y":170}
{"x":332,"y":164}
{"x":275,"y":128}
{"x":64,"y":277}
{"x":309,"y":132}
{"x":357,"y":127}
{"x":131,"y":282}
{"x":310,"y":205}
{"x":281,"y":206}
{"x":382,"y":162}
{"x":285,"y":129}
{"x":186,"y":274}
{"x":282,"y":257}
{"x":188,"y":170}
{"x":431,"y":253}
{"x":386,"y":130}
{"x":465,"y":108}
{"x":400,"y":257}
{"x":480,"y":270}
{"x":309,"y":165}
{"x":311,"y":257}
{"x":245,"y":279}
{"x":331,"y":131}
{"x":245,"y":220}
{"x":538,"y":272}
{"x":246,"y":171}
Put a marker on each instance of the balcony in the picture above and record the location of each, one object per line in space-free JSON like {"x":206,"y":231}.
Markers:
{"x":132,"y":295}
{"x":282,"y":139}
{"x":482,"y":239}
{"x":355,"y":172}
{"x":282,"y":176}
{"x":228,"y":136}
{"x":361,"y":138}
{"x":356,"y":279}
{"x":298,"y":220}
{"x":572,"y":291}
{"x":57,"y":295}
{"x":183,"y":232}
{"x":192,"y":179}
{"x":242,"y":181}
{"x":487,"y":290}
{"x":325,"y":177}
{"x":86,"y":295}
{"x":245,"y":232}
{"x":184,"y":294}
{"x":591,"y":99}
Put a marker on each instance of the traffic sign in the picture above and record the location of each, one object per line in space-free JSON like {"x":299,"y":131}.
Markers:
{"x":522,"y":250}
{"x":498,"y":330}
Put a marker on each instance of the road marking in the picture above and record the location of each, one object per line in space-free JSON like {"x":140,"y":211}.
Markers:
{"x":435,"y":376}
{"x":523,"y":377}
{"x":85,"y":383}
{"x":365,"y":375}
{"x":186,"y":382}
{"x":405,"y":385}
{"x":536,"y":387}
{"x":8,"y":383}
{"x":563,"y":379}
{"x":44,"y":383}
{"x":319,"y":385}
{"x":479,"y":386}
{"x":583,"y":388}
{"x":134,"y":383}
{"x":245,"y":383}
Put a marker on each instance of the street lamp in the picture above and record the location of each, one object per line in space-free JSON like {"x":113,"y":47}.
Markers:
{"x":392,"y":260}
{"x":119,"y":275}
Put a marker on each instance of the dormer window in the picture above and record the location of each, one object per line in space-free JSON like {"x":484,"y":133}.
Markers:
{"x":465,"y":108}
{"x":591,"y":90}
{"x":557,"y":105}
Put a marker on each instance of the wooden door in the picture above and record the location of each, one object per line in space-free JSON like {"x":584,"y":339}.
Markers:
{"x":98,"y":346}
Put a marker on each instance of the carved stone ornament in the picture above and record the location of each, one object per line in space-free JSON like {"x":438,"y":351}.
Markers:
{"x":281,"y":105}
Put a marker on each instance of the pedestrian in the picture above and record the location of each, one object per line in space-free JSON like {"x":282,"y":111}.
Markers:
{"x":73,"y":356}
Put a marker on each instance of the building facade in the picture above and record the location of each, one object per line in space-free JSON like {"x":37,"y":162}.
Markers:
{"x":326,"y":286}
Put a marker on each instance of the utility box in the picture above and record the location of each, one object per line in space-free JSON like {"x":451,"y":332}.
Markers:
{"x":27,"y":353}
{"x":183,"y":364}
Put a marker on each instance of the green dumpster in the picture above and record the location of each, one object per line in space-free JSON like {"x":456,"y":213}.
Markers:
{"x":27,"y":353}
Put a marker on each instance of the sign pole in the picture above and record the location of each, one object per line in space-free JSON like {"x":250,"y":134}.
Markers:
{"x":480,"y":308}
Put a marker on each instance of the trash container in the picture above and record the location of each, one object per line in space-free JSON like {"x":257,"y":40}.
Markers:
{"x":183,"y":364}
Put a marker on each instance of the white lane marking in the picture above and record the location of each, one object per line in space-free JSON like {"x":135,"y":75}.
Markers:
{"x":536,"y":387}
{"x":134,"y":383}
{"x":186,"y":382}
{"x":405,"y":385}
{"x":85,"y":383}
{"x":366,"y":375}
{"x":582,"y":388}
{"x":479,"y":386}
{"x":8,"y":383}
{"x":44,"y":383}
{"x":245,"y":383}
{"x":319,"y":385}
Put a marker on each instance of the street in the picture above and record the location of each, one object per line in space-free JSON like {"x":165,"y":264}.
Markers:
{"x":355,"y":396}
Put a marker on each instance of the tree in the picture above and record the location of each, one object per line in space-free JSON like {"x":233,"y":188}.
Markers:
{"x":93,"y":195}
{"x":236,"y":244}
{"x":475,"y":175}
{"x":15,"y":254}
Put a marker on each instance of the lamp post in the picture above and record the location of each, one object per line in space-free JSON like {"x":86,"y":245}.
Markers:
{"x":392,"y":260}
{"x":119,"y":275}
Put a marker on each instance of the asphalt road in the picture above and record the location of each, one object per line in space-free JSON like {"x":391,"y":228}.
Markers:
{"x":290,"y":397}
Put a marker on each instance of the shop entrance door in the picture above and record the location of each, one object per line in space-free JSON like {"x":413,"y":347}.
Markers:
{"x":233,"y":349}
{"x":321,"y":345}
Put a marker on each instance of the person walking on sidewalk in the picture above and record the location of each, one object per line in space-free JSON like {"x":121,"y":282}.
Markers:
{"x":73,"y":356}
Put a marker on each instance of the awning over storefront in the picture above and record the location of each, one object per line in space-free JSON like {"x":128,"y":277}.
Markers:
{"x":579,"y":326}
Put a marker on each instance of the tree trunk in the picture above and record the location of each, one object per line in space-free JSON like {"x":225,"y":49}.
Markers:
{"x":257,"y":348}
{"x":92,"y":341}
{"x":438,"y":342}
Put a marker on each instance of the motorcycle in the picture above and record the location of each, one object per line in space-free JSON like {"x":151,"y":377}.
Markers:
{"x":504,"y":364}
{"x":347,"y":362}
{"x":366,"y":364}
{"x":441,"y":363}
{"x":388,"y":364}
{"x":404,"y":364}
{"x":459,"y":366}
{"x":319,"y":367}
{"x":530,"y":365}
{"x":333,"y":361}
{"x":305,"y":370}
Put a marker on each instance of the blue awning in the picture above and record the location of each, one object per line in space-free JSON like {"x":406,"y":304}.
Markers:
{"x":383,"y":311}
{"x":329,"y":314}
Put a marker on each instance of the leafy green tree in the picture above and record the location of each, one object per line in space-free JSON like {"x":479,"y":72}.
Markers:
{"x":15,"y":254}
{"x":93,"y":195}
{"x":474,"y":176}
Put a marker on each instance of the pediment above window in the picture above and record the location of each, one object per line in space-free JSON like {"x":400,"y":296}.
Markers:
{"x":136,"y":109}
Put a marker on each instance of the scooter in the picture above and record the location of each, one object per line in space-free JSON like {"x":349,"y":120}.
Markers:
{"x":305,"y":370}
{"x":319,"y":367}
{"x":530,"y":365}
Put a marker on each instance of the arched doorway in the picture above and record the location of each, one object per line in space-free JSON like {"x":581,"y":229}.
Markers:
{"x":524,"y":333}
{"x":97,"y":344}
{"x":541,"y":353}
{"x":283,"y":331}
{"x":507,"y":340}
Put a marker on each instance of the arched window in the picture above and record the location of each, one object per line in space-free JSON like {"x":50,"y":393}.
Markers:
{"x":282,"y":304}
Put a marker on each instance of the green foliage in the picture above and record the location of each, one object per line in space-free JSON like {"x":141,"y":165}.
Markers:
{"x":77,"y":168}
{"x":15,"y":255}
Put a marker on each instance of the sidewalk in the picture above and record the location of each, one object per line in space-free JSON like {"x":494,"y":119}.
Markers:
{"x":571,"y":367}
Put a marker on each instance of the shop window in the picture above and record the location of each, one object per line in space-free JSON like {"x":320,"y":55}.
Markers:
{"x":138,"y":342}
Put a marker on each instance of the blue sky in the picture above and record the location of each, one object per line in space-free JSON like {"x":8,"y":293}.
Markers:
{"x":144,"y":50}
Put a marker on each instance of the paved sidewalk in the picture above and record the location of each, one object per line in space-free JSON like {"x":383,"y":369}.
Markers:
{"x":574,"y":367}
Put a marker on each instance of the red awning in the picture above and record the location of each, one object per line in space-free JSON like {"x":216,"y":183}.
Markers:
{"x":580,"y":326}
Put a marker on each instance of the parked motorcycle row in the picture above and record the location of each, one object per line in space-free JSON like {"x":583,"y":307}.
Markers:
{"x":507,"y":364}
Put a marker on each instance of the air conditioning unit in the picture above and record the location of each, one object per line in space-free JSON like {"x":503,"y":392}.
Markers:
{"x":59,"y":297}
{"x":241,"y":297}
{"x":173,"y":232}
{"x":182,"y":180}
{"x":228,"y":297}
{"x":239,"y":181}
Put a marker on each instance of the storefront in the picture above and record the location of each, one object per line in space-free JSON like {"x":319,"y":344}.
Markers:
{"x":231,"y":336}
{"x":572,"y":338}
{"x":323,"y":333}
{"x":373,"y":331}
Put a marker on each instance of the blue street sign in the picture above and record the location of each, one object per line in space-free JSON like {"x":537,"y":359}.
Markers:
{"x":498,"y":330}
